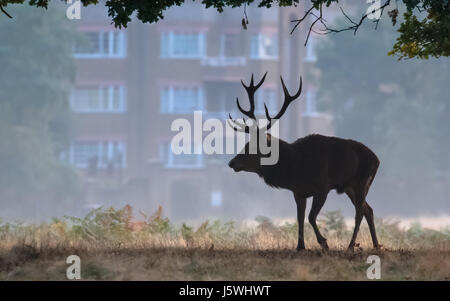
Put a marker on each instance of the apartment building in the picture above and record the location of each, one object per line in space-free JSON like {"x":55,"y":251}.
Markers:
{"x":132,"y":84}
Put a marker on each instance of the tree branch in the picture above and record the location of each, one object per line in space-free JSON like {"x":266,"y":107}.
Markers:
{"x":312,"y":25}
{"x":301,"y":20}
{"x":3,"y":11}
{"x":354,"y":26}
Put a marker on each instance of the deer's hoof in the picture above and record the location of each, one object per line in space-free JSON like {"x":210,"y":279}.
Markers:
{"x":355,"y":247}
{"x":324,"y":245}
{"x":378,"y":247}
{"x":351,"y":248}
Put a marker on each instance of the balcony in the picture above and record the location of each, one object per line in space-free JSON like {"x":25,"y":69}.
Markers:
{"x":224,"y":61}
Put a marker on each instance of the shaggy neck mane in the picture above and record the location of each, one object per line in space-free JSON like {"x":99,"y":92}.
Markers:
{"x":278,"y":175}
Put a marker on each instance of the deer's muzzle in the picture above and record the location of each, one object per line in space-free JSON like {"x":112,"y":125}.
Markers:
{"x":234,"y":166}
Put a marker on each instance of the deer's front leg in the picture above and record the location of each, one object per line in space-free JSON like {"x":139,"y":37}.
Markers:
{"x":301,"y":206}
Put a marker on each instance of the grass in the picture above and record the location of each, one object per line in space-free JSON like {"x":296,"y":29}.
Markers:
{"x":114,"y":246}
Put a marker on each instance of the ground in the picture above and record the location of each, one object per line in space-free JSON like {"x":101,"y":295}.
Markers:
{"x":201,"y":264}
{"x":113,"y":247}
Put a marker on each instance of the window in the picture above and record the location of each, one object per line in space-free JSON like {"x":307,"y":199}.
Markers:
{"x":182,"y":45}
{"x":171,"y":160}
{"x":231,"y":46}
{"x":230,"y":53}
{"x":311,"y":103}
{"x":181,"y":100}
{"x":101,"y":44}
{"x":264,"y":46}
{"x":310,"y":50}
{"x":265,"y":96}
{"x":82,"y":153}
{"x":98,"y":99}
{"x":97,"y":154}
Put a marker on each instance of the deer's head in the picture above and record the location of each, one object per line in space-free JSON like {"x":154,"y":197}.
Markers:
{"x":251,"y":157}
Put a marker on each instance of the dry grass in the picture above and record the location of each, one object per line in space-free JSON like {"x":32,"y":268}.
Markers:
{"x":112,"y":246}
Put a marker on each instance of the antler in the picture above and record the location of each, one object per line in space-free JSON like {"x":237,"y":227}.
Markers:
{"x":287,"y":101}
{"x":251,"y":89}
{"x":241,"y":127}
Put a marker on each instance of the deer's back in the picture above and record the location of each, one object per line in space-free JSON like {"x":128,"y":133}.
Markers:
{"x":335,"y":161}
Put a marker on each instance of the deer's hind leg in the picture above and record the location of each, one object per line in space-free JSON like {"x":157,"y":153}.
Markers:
{"x":368,"y":213}
{"x":317,"y":204}
{"x":357,"y":194}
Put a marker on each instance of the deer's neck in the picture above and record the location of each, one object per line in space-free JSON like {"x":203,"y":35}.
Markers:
{"x":280,"y":175}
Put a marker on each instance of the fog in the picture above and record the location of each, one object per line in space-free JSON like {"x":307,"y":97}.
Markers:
{"x":86,"y":111}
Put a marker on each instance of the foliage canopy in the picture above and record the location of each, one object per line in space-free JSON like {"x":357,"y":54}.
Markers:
{"x":423,"y":32}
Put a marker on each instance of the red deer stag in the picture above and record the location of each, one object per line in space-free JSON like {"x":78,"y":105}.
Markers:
{"x":310,"y":166}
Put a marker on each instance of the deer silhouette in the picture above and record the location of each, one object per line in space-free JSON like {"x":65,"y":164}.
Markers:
{"x":310,"y":166}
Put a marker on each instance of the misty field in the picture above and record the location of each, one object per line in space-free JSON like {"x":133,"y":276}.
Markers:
{"x":113,"y":245}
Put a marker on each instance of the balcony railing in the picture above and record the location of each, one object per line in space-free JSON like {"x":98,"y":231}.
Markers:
{"x":224,"y":61}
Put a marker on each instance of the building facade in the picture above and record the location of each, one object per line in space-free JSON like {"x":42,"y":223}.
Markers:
{"x":132,"y":84}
